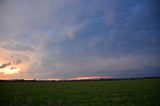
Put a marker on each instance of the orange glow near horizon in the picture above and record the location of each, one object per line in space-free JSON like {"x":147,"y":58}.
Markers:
{"x":13,"y":70}
{"x":57,"y":79}
{"x":12,"y":76}
{"x":90,"y":77}
{"x":8,"y":70}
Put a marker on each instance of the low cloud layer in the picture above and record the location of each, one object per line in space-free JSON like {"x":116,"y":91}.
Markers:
{"x":67,"y":39}
{"x":5,"y":65}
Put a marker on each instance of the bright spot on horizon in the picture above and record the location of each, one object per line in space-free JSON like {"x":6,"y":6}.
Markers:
{"x":90,"y":77}
{"x":8,"y":70}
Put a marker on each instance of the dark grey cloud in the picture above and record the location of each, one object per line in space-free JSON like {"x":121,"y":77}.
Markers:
{"x":13,"y":68}
{"x":5,"y":65}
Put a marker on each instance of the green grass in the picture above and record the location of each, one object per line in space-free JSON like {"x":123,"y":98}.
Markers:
{"x":90,"y":93}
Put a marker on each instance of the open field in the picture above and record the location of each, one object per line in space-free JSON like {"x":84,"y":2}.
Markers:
{"x":144,"y":92}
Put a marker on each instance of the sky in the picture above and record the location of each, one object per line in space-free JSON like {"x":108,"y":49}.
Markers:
{"x":79,"y":39}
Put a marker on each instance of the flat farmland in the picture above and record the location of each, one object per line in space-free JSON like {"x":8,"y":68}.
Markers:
{"x":144,"y":92}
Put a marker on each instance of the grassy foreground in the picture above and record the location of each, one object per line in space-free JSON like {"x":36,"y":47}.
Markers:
{"x":144,"y":92}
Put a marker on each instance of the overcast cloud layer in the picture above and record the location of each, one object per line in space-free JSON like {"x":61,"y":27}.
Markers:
{"x":72,"y":38}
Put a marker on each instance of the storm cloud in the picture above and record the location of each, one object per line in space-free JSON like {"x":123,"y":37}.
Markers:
{"x":72,"y":38}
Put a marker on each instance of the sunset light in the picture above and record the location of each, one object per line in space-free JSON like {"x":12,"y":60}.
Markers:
{"x":79,"y":52}
{"x":91,"y":77}
{"x":79,"y":39}
{"x":9,"y":70}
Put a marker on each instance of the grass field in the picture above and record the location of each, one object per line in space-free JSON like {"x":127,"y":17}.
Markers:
{"x":144,"y":92}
